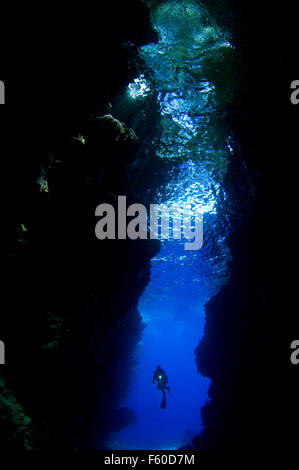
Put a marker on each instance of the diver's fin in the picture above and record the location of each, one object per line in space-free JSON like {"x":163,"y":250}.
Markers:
{"x":163,"y":404}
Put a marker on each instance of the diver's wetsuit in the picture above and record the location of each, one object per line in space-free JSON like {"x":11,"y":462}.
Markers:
{"x":162,"y":379}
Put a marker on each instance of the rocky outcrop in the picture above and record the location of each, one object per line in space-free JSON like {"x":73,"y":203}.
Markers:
{"x":250,"y":324}
{"x":71,"y":322}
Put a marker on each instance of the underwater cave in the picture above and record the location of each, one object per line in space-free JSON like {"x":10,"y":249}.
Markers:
{"x":194,"y":139}
{"x":156,"y":103}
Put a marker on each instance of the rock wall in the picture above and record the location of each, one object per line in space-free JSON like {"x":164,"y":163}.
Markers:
{"x":70,"y":322}
{"x":253,"y":320}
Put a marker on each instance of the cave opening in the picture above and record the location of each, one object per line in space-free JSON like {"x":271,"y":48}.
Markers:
{"x":188,"y":72}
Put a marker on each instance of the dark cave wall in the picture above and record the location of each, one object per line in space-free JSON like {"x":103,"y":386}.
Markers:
{"x":70,"y":322}
{"x":251,"y":323}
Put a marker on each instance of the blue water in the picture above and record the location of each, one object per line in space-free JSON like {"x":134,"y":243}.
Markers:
{"x":172,"y":305}
{"x":171,"y":344}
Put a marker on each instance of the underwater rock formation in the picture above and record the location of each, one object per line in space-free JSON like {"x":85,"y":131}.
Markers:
{"x":71,"y":302}
{"x":251,"y":322}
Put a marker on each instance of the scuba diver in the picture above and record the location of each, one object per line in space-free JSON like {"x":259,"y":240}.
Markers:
{"x":162,"y":379}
